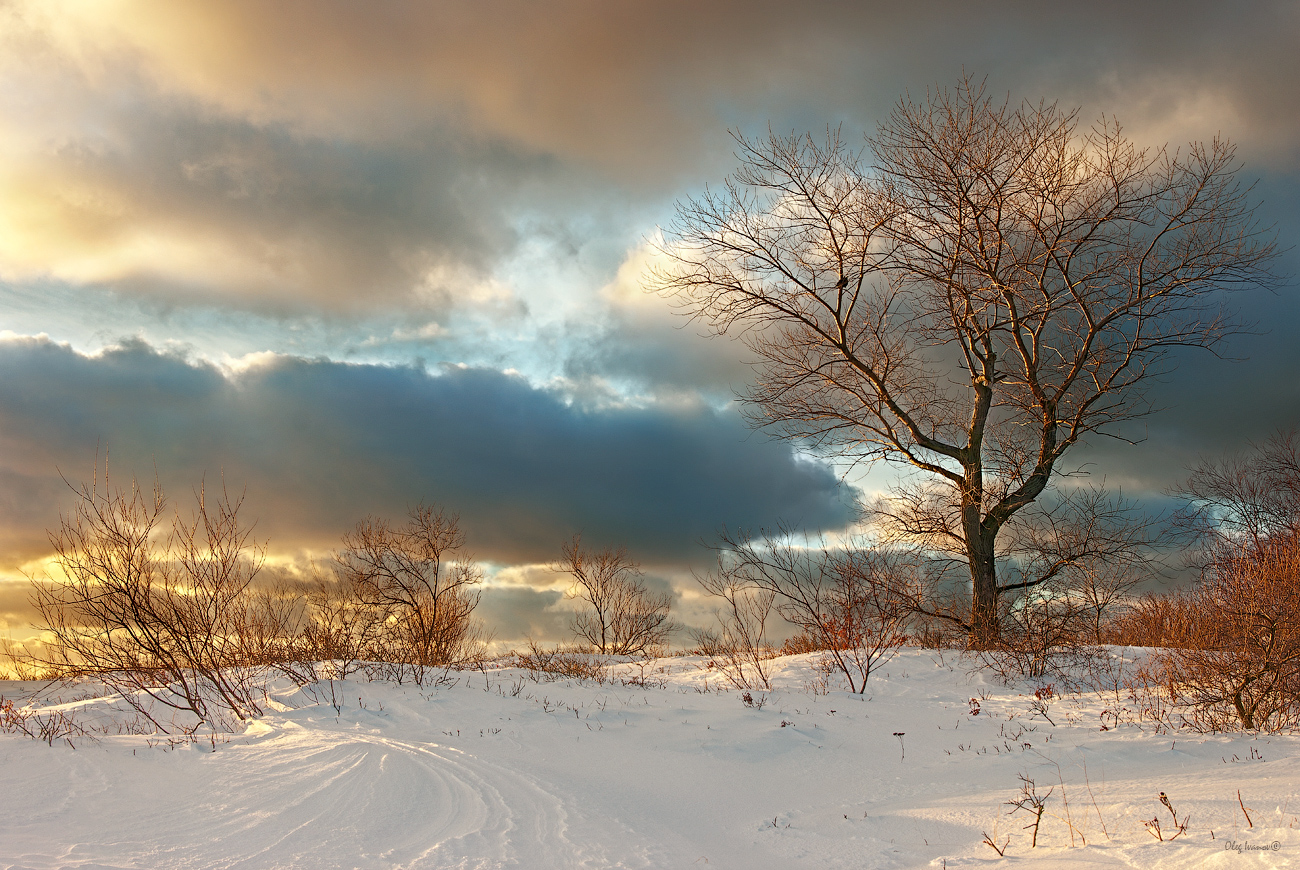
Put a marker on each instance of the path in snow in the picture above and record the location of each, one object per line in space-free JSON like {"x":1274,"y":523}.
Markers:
{"x":301,"y":797}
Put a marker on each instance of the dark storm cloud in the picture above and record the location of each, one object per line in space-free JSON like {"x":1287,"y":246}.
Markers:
{"x":1208,"y":406}
{"x":320,"y":444}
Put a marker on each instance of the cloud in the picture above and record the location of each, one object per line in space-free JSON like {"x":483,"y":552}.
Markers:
{"x":336,"y":156}
{"x":514,"y":612}
{"x":603,"y":83}
{"x":320,"y":444}
{"x":640,"y":340}
{"x":186,"y":208}
{"x":465,"y":182}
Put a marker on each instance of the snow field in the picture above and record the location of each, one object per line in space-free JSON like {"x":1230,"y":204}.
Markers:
{"x":500,"y":770}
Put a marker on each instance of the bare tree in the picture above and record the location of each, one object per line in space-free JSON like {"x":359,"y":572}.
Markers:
{"x":165,"y":618}
{"x":740,"y":648}
{"x":623,"y":617}
{"x":853,"y":603}
{"x":1085,"y":548}
{"x":1246,"y":499}
{"x":416,"y":582}
{"x":996,"y":285}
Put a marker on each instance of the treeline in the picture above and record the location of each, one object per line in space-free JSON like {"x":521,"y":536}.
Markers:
{"x":169,"y":611}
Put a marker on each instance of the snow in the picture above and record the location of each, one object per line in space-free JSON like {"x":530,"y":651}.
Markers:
{"x":499,"y":769}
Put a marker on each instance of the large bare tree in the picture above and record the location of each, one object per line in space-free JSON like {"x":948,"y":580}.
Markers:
{"x":980,"y":289}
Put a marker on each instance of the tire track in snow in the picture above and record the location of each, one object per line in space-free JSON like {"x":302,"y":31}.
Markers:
{"x":319,"y":798}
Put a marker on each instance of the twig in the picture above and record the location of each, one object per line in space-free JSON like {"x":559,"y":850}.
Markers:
{"x":1153,"y":826}
{"x":1088,"y":782}
{"x":1243,"y":809}
{"x":1033,"y":803}
{"x":1001,"y":850}
{"x":1065,"y":801}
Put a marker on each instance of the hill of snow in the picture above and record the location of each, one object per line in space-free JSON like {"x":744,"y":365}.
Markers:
{"x":499,"y":769}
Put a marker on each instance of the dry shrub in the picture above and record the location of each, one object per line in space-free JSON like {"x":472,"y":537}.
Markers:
{"x":621,"y":616}
{"x":1057,"y":628}
{"x":740,"y":649}
{"x":1154,"y":620}
{"x":561,"y":663}
{"x":852,"y":604}
{"x":1233,"y":661}
{"x":859,"y":617}
{"x":163,"y":616}
{"x":49,"y":726}
{"x":1231,"y":656}
{"x":1044,"y":635}
{"x":803,"y":642}
{"x":18,"y":663}
{"x":407,"y":599}
{"x":933,"y":633}
{"x":169,"y":613}
{"x":340,"y":632}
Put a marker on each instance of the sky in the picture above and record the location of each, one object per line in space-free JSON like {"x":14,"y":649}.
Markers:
{"x":350,"y":257}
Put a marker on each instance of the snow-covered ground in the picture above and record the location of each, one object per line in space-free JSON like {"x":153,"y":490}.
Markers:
{"x":500,"y":770}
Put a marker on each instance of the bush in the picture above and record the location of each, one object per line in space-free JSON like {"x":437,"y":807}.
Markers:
{"x":621,"y":616}
{"x":851,"y":603}
{"x":1233,"y":659}
{"x":163,"y":617}
{"x":803,"y":642}
{"x":1231,"y":654}
{"x":1043,"y":635}
{"x":407,"y":598}
{"x":561,"y":663}
{"x":1154,"y":620}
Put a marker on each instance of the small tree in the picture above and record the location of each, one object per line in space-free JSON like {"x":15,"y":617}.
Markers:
{"x":740,"y":648}
{"x":993,"y":288}
{"x":1236,"y":661}
{"x":622,"y":616}
{"x":1245,"y":500}
{"x":416,"y":584}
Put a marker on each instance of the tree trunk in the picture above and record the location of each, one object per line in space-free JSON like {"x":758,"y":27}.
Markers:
{"x":979,"y":536}
{"x":984,"y":623}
